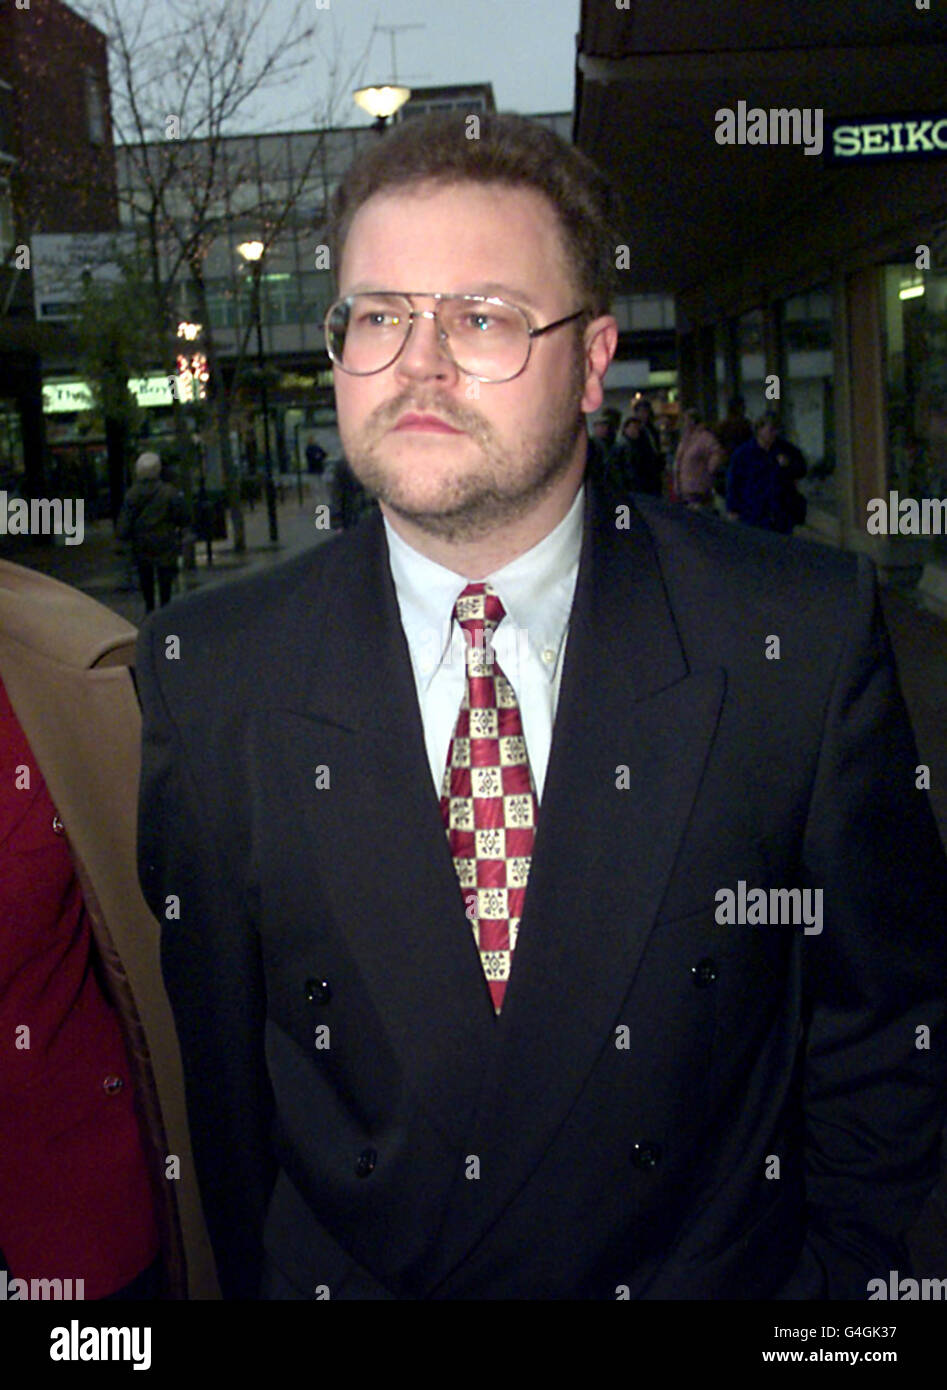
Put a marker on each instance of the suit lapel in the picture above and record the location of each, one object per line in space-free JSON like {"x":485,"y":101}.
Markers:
{"x":603,"y":855}
{"x":377,"y":834}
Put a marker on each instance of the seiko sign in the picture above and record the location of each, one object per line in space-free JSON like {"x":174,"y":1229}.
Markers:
{"x":858,"y":140}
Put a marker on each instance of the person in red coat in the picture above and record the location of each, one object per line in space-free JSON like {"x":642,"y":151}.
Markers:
{"x":97,"y":1180}
{"x":75,"y":1195}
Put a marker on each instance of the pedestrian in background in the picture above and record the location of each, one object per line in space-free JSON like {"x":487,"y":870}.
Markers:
{"x":762,"y":476}
{"x":732,"y":431}
{"x":790,"y":507}
{"x":634,"y":462}
{"x":698,"y":458}
{"x":348,"y":500}
{"x":151,"y":518}
{"x":644,"y":410}
{"x":602,"y":438}
{"x":604,"y":433}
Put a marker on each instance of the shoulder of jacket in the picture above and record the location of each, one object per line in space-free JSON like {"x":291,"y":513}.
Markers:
{"x":756,"y":567}
{"x":60,"y":623}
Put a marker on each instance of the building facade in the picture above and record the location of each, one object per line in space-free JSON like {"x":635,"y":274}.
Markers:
{"x":57,"y":175}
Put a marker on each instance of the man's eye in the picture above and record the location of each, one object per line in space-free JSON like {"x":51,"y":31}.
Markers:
{"x":377,"y":318}
{"x":480,"y":321}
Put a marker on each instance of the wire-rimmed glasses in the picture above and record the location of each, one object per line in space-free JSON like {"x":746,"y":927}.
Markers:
{"x":485,"y":337}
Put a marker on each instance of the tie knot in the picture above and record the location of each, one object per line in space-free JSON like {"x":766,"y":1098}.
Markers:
{"x":478,"y":609}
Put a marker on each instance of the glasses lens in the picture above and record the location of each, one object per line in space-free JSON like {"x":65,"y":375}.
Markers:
{"x":487,"y":338}
{"x":364,"y":332}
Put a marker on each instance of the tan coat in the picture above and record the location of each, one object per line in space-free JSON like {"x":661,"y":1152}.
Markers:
{"x":64,"y":660}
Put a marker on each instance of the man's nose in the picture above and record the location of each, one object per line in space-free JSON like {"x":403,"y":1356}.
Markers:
{"x":425,"y":354}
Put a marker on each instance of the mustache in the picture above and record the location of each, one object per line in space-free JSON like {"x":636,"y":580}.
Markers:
{"x":454,"y":414}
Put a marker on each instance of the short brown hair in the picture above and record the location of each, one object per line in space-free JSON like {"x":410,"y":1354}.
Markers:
{"x":509,"y":150}
{"x":768,"y":417}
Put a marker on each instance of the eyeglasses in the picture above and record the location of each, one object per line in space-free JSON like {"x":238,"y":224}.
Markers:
{"x":484,"y":337}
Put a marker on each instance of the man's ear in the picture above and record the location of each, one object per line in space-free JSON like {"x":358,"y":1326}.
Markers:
{"x":600,"y":342}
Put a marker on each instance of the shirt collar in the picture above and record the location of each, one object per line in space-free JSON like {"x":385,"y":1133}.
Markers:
{"x":536,"y":590}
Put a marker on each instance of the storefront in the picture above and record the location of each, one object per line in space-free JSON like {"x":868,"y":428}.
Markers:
{"x":77,"y":458}
{"x":808,"y":275}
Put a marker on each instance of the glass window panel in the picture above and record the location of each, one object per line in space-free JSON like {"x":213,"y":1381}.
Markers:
{"x":6,"y":219}
{"x":807,"y":394}
{"x":915,"y":318}
{"x":647,"y":311}
{"x":11,"y":445}
{"x":752,"y":362}
{"x":95,"y":108}
{"x":6,"y":119}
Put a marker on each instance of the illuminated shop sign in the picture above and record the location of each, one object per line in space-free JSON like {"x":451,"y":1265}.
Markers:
{"x":60,"y":397}
{"x":868,"y":139}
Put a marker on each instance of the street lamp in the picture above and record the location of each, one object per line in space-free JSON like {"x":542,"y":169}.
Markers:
{"x":252,"y":253}
{"x":382,"y":102}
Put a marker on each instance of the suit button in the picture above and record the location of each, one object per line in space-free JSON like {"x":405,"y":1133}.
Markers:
{"x":318,"y":991}
{"x":645,"y":1154}
{"x":112,"y":1085}
{"x":704,"y":972}
{"x":58,"y":827}
{"x":365,"y":1163}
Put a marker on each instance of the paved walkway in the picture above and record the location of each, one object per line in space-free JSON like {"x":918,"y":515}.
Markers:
{"x":101,"y":567}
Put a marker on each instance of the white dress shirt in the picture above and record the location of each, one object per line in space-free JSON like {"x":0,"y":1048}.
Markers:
{"x":536,"y":590}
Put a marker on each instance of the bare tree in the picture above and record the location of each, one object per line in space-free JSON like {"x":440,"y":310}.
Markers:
{"x":184,"y":80}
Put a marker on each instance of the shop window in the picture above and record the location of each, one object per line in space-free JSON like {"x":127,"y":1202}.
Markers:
{"x":6,"y":120}
{"x":7,"y":234}
{"x":807,"y":391}
{"x":11,"y":446}
{"x":752,"y":362}
{"x":315,"y":292}
{"x":279,"y":295}
{"x":644,"y":312}
{"x":720,"y":377}
{"x":915,"y":333}
{"x":224,"y":305}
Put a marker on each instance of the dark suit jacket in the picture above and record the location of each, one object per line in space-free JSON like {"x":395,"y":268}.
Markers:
{"x":599,"y":1167}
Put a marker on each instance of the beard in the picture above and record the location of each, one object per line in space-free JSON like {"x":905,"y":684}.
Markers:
{"x":502,"y":486}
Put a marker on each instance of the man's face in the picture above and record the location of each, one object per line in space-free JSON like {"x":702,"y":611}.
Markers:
{"x":499,"y":447}
{"x":766,"y":435}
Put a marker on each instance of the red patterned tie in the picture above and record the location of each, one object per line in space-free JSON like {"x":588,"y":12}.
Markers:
{"x":489,"y":801}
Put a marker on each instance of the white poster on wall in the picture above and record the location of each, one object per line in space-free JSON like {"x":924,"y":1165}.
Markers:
{"x":60,"y":262}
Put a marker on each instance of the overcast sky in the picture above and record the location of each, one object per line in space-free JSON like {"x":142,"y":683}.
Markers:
{"x":526,"y":48}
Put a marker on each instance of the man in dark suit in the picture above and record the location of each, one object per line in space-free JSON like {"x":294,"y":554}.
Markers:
{"x":551,"y":910}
